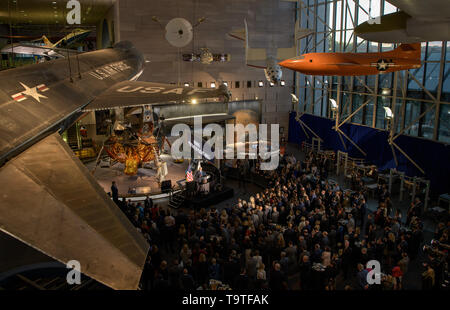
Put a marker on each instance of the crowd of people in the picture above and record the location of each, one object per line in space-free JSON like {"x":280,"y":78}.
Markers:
{"x":301,"y":232}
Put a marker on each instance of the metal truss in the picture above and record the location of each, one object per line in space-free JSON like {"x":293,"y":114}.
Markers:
{"x":398,"y":84}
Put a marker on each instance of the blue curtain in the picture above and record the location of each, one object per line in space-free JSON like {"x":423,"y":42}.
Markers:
{"x":432,"y":157}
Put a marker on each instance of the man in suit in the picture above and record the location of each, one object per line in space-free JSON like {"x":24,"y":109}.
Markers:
{"x":361,"y":276}
{"x":115,"y":192}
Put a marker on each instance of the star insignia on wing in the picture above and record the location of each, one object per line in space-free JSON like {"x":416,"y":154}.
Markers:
{"x":32,"y":92}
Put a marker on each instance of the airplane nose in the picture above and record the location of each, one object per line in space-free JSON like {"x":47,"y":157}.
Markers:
{"x":282,"y":63}
{"x":286,"y":63}
{"x":293,"y":63}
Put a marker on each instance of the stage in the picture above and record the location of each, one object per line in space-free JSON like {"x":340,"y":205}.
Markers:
{"x":145,"y":179}
{"x":211,"y":199}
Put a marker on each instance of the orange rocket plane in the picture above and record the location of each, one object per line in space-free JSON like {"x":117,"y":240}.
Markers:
{"x":406,"y":56}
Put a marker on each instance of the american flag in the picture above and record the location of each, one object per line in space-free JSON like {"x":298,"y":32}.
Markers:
{"x":189,"y":176}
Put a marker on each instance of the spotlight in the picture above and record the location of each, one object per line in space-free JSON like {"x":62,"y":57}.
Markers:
{"x":186,"y":84}
{"x":194,"y":101}
{"x":271,"y":84}
{"x":334,"y":105}
{"x":225,"y":83}
{"x":294,"y":98}
{"x":388,"y":115}
{"x":213,"y":85}
{"x":260,"y":83}
{"x":385,"y":91}
{"x":282,"y":82}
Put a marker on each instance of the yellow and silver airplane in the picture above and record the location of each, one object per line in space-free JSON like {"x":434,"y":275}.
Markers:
{"x":48,"y":50}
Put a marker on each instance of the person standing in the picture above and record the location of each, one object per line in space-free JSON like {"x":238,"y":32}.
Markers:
{"x":115,"y":192}
{"x":241,"y":174}
{"x":148,"y":203}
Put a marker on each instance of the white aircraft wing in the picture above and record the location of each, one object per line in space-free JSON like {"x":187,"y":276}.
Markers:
{"x":286,"y":53}
{"x":424,"y":9}
{"x":24,"y":49}
{"x":252,"y":54}
{"x":238,"y":34}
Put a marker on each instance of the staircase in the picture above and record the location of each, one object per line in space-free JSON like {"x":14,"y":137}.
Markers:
{"x":177,"y":200}
{"x":72,"y":137}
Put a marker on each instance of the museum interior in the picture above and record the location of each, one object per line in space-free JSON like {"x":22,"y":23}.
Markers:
{"x":328,"y":168}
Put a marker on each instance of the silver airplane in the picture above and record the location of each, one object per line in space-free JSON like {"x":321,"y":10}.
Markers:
{"x":49,"y":50}
{"x":49,"y":200}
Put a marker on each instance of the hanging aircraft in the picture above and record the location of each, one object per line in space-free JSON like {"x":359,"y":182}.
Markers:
{"x":406,"y":56}
{"x":418,"y":21}
{"x":50,"y":201}
{"x":206,"y":57}
{"x":51,"y":50}
{"x":254,"y":56}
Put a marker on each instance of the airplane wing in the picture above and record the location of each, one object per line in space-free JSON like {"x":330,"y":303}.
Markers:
{"x":252,"y":54}
{"x":136,"y":93}
{"x":26,"y":49}
{"x":61,"y":51}
{"x":286,"y":53}
{"x":69,"y":218}
{"x":238,"y":34}
{"x":424,"y":10}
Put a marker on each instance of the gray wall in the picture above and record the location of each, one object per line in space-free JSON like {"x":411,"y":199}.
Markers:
{"x":271,"y":24}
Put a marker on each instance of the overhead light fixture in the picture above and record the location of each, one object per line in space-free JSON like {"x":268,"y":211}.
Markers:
{"x":388,"y":115}
{"x":282,"y":82}
{"x":194,"y":101}
{"x":186,"y":84}
{"x":260,"y":83}
{"x":386,"y":91}
{"x":334,"y":105}
{"x":213,"y":85}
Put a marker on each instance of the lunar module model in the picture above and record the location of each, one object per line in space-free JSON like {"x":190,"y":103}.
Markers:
{"x":134,"y":145}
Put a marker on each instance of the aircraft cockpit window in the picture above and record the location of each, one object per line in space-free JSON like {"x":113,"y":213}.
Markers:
{"x":298,"y":57}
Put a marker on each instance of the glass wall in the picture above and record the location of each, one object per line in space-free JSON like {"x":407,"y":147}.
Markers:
{"x":409,"y":94}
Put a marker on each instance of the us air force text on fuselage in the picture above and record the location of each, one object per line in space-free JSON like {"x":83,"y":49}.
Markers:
{"x":226,"y":299}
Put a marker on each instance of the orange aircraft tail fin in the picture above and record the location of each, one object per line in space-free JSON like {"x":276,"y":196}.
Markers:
{"x":411,"y":51}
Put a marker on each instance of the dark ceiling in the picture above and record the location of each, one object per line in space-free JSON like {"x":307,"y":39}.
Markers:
{"x":46,"y":12}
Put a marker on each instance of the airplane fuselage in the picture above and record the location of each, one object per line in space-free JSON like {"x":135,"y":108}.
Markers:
{"x":350,"y":64}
